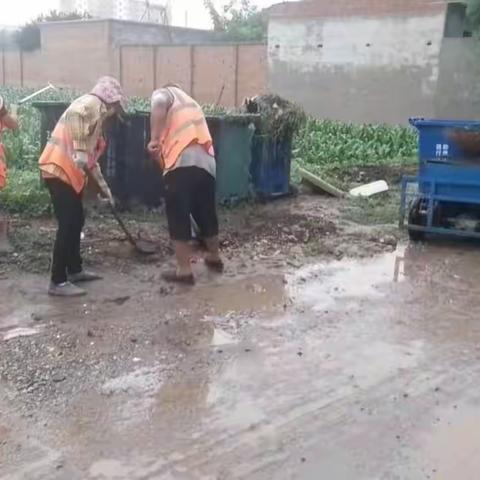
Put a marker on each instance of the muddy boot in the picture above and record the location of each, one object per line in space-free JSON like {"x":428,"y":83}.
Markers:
{"x":173,"y":277}
{"x":5,"y":245}
{"x":66,"y":289}
{"x":84,"y":276}
{"x":215,"y":265}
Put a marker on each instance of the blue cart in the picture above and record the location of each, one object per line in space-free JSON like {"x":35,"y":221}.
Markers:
{"x":448,"y":182}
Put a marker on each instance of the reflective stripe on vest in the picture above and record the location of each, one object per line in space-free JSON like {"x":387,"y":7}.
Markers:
{"x":186,"y":124}
{"x":3,"y":167}
{"x":59,"y":152}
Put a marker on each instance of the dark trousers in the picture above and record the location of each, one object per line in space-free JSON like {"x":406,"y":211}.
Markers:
{"x":68,"y":208}
{"x":190,"y":191}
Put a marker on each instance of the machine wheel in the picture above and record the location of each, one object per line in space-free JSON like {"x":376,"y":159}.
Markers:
{"x":416,"y":217}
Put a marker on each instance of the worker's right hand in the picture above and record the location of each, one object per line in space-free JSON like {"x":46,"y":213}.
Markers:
{"x":153,"y":147}
{"x":106,"y":199}
{"x":109,"y":198}
{"x":80,"y":159}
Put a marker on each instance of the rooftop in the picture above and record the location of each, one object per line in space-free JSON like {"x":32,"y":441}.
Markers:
{"x":350,"y":8}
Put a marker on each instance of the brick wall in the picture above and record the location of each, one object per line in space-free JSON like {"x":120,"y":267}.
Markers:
{"x":75,"y":54}
{"x":211,"y":73}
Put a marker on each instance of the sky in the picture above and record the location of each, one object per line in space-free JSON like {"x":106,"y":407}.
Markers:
{"x":18,"y":12}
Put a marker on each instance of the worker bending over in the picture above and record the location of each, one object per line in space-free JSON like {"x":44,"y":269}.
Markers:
{"x":71,"y":156}
{"x":8,"y":121}
{"x":182,"y":145}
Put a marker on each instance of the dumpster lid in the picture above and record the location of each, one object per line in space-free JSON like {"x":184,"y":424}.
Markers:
{"x":434,"y":122}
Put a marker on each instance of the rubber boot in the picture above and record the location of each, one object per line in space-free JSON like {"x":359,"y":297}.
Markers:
{"x":5,"y":245}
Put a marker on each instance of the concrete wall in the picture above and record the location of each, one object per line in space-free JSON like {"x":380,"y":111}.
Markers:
{"x":458,"y":92}
{"x":358,"y":69}
{"x":135,"y":33}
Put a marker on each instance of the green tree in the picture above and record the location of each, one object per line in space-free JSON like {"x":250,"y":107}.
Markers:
{"x":473,"y":14}
{"x":28,"y":37}
{"x":239,"y":20}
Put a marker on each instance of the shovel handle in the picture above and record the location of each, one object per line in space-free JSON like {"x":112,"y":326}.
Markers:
{"x":123,"y":226}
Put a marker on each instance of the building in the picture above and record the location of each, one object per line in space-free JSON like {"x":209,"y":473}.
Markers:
{"x":358,"y":60}
{"x":152,"y":11}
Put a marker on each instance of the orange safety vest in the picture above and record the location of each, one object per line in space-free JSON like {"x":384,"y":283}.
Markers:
{"x":185,"y":125}
{"x":3,"y":167}
{"x":59,"y":152}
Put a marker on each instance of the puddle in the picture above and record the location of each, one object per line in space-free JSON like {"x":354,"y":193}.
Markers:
{"x":331,"y":285}
{"x":145,"y":380}
{"x":221,"y":338}
{"x":451,"y":449}
{"x":260,"y":293}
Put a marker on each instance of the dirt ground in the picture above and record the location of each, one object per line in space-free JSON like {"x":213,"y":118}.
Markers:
{"x":325,"y":351}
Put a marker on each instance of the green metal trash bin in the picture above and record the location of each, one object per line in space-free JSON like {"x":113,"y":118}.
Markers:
{"x":232,"y":139}
{"x":50,"y":113}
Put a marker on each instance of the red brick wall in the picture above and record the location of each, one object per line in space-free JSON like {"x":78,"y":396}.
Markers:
{"x":211,"y":73}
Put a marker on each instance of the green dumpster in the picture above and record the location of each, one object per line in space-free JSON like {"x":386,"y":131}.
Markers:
{"x":232,"y":139}
{"x":133,"y":177}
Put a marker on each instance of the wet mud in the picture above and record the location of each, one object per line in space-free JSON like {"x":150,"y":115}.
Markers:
{"x":351,"y":369}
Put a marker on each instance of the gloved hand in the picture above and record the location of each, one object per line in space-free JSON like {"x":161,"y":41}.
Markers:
{"x":80,"y":159}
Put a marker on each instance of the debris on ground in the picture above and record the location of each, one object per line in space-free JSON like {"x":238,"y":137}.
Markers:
{"x":320,"y":184}
{"x":370,"y":189}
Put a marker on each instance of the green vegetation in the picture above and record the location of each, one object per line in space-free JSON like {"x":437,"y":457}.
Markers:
{"x":25,"y":193}
{"x":473,"y":14}
{"x":347,"y":155}
{"x":239,"y":21}
{"x":341,"y":153}
{"x":327,"y":144}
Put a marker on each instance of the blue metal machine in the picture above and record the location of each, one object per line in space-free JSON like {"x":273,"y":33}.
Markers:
{"x":448,"y":180}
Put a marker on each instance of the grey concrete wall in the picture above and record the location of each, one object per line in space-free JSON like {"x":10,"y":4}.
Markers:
{"x":458,"y":92}
{"x":357,"y":69}
{"x":134,"y":33}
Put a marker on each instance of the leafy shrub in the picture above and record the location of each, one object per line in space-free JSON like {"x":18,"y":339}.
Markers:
{"x":25,"y":193}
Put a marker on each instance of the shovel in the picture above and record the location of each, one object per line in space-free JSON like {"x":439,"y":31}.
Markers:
{"x":141,"y":246}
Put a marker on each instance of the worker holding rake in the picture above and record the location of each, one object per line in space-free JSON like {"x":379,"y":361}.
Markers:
{"x":70,"y":156}
{"x":8,"y":121}
{"x":182,"y":145}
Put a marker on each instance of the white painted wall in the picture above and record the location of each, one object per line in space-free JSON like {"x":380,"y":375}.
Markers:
{"x":331,"y":48}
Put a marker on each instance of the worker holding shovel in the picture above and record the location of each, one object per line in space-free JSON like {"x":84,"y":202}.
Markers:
{"x":71,"y":156}
{"x":182,"y":145}
{"x":8,"y":121}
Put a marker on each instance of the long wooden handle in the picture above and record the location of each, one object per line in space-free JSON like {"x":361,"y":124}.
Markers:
{"x":123,"y":226}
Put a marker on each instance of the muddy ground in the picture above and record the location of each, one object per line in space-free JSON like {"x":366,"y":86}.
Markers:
{"x":325,"y":351}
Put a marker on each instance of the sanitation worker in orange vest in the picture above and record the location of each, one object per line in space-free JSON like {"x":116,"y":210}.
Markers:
{"x":70,"y":156}
{"x":182,"y":145}
{"x":8,"y":121}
